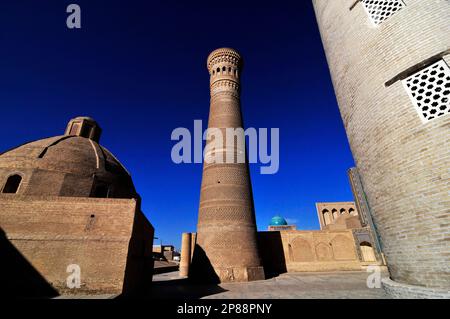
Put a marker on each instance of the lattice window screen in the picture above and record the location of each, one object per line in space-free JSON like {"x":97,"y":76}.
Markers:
{"x":429,"y":90}
{"x":380,"y":10}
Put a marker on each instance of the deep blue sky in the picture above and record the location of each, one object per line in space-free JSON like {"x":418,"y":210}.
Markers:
{"x":139,"y":68}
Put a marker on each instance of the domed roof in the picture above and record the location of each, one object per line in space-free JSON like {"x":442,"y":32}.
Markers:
{"x":74,"y":164}
{"x":278,"y":221}
{"x":68,"y":154}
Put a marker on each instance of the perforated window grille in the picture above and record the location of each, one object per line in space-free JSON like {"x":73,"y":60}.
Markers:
{"x":429,"y":90}
{"x":380,"y":10}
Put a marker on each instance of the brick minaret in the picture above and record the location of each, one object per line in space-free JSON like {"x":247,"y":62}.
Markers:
{"x":226,"y":248}
{"x":389,"y":61}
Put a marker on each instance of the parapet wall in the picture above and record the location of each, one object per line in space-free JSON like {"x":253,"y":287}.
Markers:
{"x":320,"y":250}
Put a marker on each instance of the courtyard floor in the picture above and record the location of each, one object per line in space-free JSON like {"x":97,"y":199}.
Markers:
{"x":336,"y":285}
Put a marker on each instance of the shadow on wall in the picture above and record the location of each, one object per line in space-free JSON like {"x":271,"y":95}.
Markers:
{"x":139,"y":266}
{"x":18,"y":278}
{"x":201,"y":270}
{"x":272,"y":254}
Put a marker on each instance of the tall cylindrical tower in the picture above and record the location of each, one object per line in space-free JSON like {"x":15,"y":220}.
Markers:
{"x":226,"y":245}
{"x":389,"y":62}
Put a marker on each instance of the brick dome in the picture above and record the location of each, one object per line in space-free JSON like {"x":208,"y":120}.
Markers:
{"x":68,"y":165}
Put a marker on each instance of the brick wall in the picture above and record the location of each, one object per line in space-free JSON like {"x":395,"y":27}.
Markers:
{"x":110,"y":239}
{"x":295,"y":250}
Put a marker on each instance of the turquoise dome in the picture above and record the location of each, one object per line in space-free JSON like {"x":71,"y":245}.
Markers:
{"x":278,"y":221}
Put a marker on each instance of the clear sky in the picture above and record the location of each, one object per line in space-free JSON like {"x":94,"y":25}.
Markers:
{"x":139,"y":69}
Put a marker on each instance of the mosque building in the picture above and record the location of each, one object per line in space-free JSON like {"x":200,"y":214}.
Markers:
{"x":342,"y":243}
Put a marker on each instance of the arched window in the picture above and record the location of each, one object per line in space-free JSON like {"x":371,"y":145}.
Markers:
{"x":326,"y":217}
{"x":335,"y":214}
{"x":214,"y":72}
{"x":352,"y":212}
{"x":12,"y":184}
{"x":229,"y":70}
{"x":218,"y":70}
{"x":342,"y":210}
{"x":224,"y":69}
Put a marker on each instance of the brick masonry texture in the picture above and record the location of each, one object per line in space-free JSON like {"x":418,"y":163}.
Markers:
{"x":226,"y":249}
{"x":320,"y":250}
{"x":402,"y":161}
{"x":110,"y":239}
{"x":403,"y":291}
{"x":75,"y":204}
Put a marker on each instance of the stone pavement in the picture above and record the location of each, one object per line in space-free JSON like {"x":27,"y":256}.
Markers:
{"x":332,"y":285}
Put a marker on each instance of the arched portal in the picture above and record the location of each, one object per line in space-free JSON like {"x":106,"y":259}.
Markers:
{"x":301,"y":250}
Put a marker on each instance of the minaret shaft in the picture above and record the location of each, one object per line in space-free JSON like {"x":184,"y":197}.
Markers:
{"x":226,"y":248}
